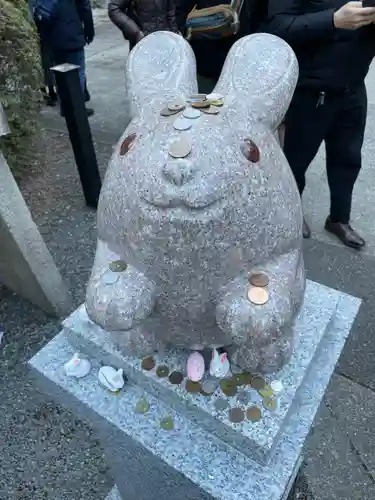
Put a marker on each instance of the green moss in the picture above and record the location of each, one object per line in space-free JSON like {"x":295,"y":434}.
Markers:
{"x":20,"y":77}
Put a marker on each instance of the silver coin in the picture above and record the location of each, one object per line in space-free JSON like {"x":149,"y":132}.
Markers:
{"x":182,"y":124}
{"x":210,"y":385}
{"x":110,"y":278}
{"x":243,"y":397}
{"x":191,"y":113}
{"x":221,"y":404}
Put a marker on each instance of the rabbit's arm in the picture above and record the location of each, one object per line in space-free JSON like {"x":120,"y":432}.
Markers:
{"x":243,"y":320}
{"x":117,"y":301}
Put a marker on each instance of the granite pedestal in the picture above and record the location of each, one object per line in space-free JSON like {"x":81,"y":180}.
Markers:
{"x":193,"y":460}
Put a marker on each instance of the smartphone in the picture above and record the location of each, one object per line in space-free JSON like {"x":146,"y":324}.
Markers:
{"x":368,"y":3}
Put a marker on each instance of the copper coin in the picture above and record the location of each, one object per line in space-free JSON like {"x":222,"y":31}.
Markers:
{"x":270,"y":404}
{"x":200,"y":104}
{"x":253,"y":414}
{"x":221,"y":404}
{"x":169,"y":112}
{"x":162,"y":371}
{"x":228,"y":388}
{"x":258,"y":383}
{"x":257,"y":295}
{"x":193,"y":387}
{"x":259,"y":279}
{"x":118,"y":266}
{"x":180,"y":148}
{"x":236,"y":415}
{"x":148,"y":364}
{"x":176,"y":378}
{"x":176,"y":105}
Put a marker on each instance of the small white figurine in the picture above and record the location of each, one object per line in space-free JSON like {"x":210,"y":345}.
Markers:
{"x":219,"y":366}
{"x":77,"y":367}
{"x":111,"y":378}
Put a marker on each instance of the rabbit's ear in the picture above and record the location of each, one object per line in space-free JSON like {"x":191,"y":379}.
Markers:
{"x":160,"y":67}
{"x":258,"y":78}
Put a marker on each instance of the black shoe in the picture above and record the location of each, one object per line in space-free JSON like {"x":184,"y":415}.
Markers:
{"x":345,"y":233}
{"x":306,"y":232}
{"x":50,"y":100}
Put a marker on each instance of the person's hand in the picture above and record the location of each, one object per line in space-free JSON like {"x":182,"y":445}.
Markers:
{"x":352,"y":16}
{"x":89,"y":37}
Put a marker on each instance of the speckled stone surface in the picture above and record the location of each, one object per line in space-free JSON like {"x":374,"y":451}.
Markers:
{"x":255,"y":440}
{"x":192,"y":229}
{"x":188,"y":453}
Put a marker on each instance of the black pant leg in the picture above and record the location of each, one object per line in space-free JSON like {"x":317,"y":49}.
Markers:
{"x":344,"y":151}
{"x":306,"y":124}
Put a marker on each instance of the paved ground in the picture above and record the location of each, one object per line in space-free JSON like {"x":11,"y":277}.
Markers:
{"x":45,"y":452}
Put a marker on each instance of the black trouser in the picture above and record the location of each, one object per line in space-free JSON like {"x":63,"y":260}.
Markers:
{"x":47,"y":62}
{"x":338,"y":119}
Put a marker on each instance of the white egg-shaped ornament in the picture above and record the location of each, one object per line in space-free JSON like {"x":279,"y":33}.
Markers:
{"x":195,"y":366}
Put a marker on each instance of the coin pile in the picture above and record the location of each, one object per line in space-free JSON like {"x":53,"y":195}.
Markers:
{"x":257,"y":292}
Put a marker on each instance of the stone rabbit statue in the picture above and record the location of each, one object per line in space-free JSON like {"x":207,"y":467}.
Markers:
{"x":177,"y":238}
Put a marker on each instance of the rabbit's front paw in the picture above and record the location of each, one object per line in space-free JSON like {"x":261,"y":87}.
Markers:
{"x":121,"y":302}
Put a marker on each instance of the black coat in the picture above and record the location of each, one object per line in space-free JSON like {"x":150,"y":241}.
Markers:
{"x":71,"y":28}
{"x":329,"y":58}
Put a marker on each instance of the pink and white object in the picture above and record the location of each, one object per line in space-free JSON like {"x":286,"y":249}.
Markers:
{"x":219,"y":366}
{"x":195,"y":366}
{"x":77,"y":367}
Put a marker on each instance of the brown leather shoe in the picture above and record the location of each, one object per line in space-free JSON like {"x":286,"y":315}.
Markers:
{"x":305,"y":229}
{"x":345,"y":234}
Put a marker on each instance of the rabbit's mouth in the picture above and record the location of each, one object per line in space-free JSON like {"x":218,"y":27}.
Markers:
{"x":190,"y":200}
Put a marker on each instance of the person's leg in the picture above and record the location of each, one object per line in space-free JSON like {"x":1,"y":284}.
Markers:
{"x":344,"y":159}
{"x":49,"y":81}
{"x":306,"y":123}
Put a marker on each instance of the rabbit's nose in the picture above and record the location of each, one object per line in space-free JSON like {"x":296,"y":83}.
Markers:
{"x":178,"y":172}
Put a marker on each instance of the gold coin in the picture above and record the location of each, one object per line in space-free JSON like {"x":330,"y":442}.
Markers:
{"x":218,"y":102}
{"x":266,"y":392}
{"x":258,"y":383}
{"x":253,"y":414}
{"x":259,"y":279}
{"x":270,"y":404}
{"x":257,"y":295}
{"x":193,"y":387}
{"x":148,"y":363}
{"x":169,"y":112}
{"x":118,"y":266}
{"x":212,"y":110}
{"x":167,"y":424}
{"x":142,"y":406}
{"x":243,"y":378}
{"x":200,"y":104}
{"x":228,"y":387}
{"x":236,"y":415}
{"x":176,"y":378}
{"x":162,"y":371}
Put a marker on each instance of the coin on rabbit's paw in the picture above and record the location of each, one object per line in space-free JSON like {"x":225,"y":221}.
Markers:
{"x":258,"y":296}
{"x":180,"y":148}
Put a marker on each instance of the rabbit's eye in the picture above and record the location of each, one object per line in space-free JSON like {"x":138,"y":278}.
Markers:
{"x":127,"y":144}
{"x":250,"y":151}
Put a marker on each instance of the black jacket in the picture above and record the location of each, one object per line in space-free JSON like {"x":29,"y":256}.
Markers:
{"x":210,"y":55}
{"x":71,"y":27}
{"x":329,"y":58}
